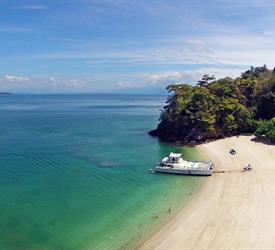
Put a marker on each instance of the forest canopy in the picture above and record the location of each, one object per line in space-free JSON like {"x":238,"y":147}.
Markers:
{"x":215,"y":109}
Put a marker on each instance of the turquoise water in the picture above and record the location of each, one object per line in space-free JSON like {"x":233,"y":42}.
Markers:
{"x":74,"y":172}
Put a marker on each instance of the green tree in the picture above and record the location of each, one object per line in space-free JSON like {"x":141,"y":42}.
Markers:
{"x":205,"y":80}
{"x":266,"y":128}
{"x":266,"y":106}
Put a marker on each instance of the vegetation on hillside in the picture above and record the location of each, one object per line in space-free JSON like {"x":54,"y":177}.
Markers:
{"x":217,"y":108}
{"x":266,"y":130}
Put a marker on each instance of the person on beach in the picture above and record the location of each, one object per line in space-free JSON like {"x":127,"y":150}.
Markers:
{"x":170,"y":210}
{"x":247,"y":168}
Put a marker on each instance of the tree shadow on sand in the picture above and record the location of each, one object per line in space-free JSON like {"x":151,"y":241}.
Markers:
{"x":263,"y":139}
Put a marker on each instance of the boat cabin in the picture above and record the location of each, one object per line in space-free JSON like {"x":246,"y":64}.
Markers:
{"x":174,"y":158}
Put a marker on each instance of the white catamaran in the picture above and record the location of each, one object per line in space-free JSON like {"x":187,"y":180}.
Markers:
{"x":174,"y":164}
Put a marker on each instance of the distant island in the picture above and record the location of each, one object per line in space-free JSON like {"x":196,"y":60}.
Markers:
{"x":5,"y":93}
{"x":215,"y":109}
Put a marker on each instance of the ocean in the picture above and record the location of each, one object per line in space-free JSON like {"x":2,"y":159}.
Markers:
{"x":74,"y":172}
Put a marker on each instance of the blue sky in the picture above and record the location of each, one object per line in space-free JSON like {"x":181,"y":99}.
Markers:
{"x":134,"y":45}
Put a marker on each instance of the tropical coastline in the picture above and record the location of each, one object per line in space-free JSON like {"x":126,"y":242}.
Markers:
{"x":232,"y":210}
{"x":136,"y":124}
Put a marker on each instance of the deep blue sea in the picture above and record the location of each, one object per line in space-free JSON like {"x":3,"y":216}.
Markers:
{"x":74,"y":172}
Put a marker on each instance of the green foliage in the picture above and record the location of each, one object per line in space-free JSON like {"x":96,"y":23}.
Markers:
{"x":205,"y":80}
{"x":218,"y":108}
{"x":266,"y":128}
{"x":266,"y":108}
{"x":222,"y":87}
{"x":245,"y":120}
{"x":229,"y":124}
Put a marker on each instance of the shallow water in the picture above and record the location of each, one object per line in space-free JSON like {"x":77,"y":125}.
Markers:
{"x":74,"y":171}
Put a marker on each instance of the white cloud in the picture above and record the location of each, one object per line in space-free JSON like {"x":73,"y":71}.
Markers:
{"x":196,"y":42}
{"x":123,"y":85}
{"x":269,"y":32}
{"x":165,"y":76}
{"x":74,"y":83}
{"x":237,"y":49}
{"x":12,"y":82}
{"x":31,"y":7}
{"x":111,"y":82}
{"x":53,"y":79}
{"x":15,"y":78}
{"x":190,"y":76}
{"x":130,"y":85}
{"x":220,"y":72}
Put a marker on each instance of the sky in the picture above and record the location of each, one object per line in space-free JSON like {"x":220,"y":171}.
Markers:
{"x":130,"y":45}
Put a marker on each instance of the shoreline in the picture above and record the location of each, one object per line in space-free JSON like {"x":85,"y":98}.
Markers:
{"x":234,"y":209}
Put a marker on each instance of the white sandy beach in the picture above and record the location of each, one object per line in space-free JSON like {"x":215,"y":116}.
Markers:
{"x":233,"y":210}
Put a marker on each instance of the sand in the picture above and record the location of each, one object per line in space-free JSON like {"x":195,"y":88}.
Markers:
{"x":232,"y":210}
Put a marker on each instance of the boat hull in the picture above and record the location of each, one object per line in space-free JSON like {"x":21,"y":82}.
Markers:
{"x":203,"y":172}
